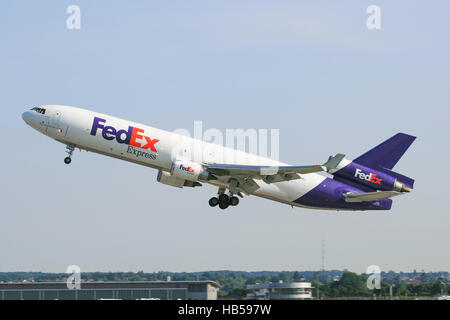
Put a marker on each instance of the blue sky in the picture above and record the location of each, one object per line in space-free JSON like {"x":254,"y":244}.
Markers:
{"x":309,"y":68}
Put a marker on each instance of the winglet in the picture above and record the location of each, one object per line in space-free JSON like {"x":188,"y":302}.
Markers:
{"x":333,"y":162}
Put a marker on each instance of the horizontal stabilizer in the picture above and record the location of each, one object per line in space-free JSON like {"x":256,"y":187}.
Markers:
{"x":369,"y":196}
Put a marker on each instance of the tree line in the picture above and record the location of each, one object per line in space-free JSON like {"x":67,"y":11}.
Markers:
{"x":328,"y":283}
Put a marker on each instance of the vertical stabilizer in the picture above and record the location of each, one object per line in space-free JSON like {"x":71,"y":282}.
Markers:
{"x":388,"y":153}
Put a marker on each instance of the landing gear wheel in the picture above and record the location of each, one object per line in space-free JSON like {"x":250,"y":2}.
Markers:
{"x":224,"y":198}
{"x":213,"y":202}
{"x":234,"y":201}
{"x":223,"y":205}
{"x":70,"y":148}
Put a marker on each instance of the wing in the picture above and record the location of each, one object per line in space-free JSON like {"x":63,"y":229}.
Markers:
{"x":370,"y":196}
{"x":245,"y":174}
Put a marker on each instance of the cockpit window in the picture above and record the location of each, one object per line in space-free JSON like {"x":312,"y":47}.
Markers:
{"x":39,"y":110}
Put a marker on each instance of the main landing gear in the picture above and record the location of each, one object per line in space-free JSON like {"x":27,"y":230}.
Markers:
{"x":69,"y":151}
{"x":224,"y":201}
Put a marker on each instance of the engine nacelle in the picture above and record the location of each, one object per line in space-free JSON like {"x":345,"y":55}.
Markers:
{"x":166,"y":178}
{"x":370,"y":177}
{"x":188,"y":170}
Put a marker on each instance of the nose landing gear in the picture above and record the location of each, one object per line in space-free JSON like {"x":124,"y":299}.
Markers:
{"x":69,"y":151}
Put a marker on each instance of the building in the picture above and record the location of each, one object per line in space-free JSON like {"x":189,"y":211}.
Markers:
{"x":123,"y":290}
{"x":280,"y":290}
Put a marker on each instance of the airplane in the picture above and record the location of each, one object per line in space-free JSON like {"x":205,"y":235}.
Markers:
{"x":365,"y":183}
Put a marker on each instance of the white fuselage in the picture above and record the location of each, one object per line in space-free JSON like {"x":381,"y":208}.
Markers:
{"x":156,"y":148}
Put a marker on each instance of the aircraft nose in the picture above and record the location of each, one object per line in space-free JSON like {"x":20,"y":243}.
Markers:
{"x":26,"y":116}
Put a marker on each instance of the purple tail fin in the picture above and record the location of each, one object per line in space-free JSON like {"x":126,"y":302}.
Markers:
{"x":386,"y":155}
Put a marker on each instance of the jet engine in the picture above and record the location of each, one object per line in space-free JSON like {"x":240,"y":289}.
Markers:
{"x":165,"y":177}
{"x":188,"y":170}
{"x":375,"y":179}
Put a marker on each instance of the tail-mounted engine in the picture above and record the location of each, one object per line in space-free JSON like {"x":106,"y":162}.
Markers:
{"x":372,"y":178}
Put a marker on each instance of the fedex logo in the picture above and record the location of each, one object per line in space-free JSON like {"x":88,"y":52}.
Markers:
{"x":130,"y":136}
{"x":372,"y":177}
{"x":188,"y":169}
